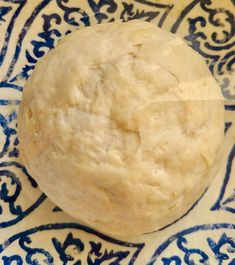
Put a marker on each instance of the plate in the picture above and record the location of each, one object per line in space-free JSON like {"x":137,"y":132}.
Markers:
{"x":35,"y":231}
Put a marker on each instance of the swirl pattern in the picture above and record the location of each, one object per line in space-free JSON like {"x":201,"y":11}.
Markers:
{"x":212,"y":34}
{"x":210,"y":251}
{"x":69,"y":245}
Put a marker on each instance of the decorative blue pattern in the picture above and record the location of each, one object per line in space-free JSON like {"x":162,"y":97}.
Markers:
{"x":229,"y":107}
{"x":8,"y":131}
{"x":10,"y":27}
{"x":224,"y":203}
{"x":56,"y":209}
{"x":96,"y":253}
{"x":68,"y":242}
{"x":96,"y":256}
{"x":12,"y":175}
{"x":14,"y":86}
{"x":4,"y":10}
{"x":190,"y":253}
{"x":111,"y":7}
{"x":210,"y":46}
{"x":68,"y":14}
{"x":129,"y":12}
{"x":26,"y":26}
{"x":227,"y":126}
{"x":216,"y":248}
{"x":163,"y":11}
{"x":50,"y":35}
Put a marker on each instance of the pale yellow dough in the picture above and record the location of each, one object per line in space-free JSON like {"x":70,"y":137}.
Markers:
{"x":120,"y":126}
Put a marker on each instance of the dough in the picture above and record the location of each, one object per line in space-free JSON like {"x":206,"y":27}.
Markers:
{"x":120,"y":126}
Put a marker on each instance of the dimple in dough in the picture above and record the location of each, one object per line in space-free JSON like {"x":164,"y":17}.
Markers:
{"x":120,"y":126}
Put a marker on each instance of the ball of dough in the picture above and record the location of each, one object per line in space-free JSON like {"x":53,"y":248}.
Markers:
{"x":120,"y":126}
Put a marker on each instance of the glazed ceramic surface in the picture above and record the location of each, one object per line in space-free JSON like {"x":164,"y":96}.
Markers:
{"x":32,"y":229}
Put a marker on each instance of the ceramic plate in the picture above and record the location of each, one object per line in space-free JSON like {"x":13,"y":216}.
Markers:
{"x":32,"y":229}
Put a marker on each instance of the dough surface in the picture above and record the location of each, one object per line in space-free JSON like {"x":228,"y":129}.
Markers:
{"x":120,"y":125}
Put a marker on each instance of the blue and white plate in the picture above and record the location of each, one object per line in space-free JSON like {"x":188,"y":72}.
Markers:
{"x":32,"y":229}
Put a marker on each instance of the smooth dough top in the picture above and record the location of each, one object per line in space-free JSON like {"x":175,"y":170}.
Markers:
{"x":120,"y":125}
